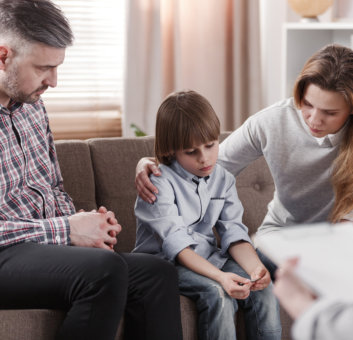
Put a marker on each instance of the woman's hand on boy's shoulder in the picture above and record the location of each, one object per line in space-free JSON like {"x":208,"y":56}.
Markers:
{"x":146,"y":190}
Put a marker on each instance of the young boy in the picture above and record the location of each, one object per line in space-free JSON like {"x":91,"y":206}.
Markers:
{"x":195,"y":195}
{"x":300,"y":139}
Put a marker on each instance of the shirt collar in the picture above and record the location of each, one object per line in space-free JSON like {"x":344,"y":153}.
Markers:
{"x":328,"y":140}
{"x":186,"y":174}
{"x":334,"y":138}
{"x":12,"y":107}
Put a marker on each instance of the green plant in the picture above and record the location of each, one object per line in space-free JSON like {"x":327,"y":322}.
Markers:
{"x":138,"y":132}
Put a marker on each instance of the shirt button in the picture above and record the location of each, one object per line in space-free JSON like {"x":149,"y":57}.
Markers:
{"x":190,"y":231}
{"x":57,"y":238}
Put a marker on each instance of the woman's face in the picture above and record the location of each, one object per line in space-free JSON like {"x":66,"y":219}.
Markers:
{"x":325,"y":112}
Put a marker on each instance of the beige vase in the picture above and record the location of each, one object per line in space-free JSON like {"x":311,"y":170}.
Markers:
{"x":310,"y":9}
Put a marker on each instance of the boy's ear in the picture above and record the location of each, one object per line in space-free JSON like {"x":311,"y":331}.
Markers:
{"x":5,"y":52}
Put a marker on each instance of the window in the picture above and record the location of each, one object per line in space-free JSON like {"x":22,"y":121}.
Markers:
{"x":87,"y":101}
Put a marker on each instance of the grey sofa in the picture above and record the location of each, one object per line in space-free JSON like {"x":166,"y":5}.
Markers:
{"x":101,"y":171}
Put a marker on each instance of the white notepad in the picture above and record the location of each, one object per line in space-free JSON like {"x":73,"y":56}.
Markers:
{"x":325,"y":253}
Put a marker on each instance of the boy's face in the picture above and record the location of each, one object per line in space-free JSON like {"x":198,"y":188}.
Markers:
{"x":325,"y":112}
{"x":28,"y":75}
{"x":199,"y":160}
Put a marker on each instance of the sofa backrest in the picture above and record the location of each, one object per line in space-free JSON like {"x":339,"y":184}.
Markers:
{"x":76,"y":167}
{"x":114,"y":162}
{"x":101,"y":171}
{"x":255,"y":190}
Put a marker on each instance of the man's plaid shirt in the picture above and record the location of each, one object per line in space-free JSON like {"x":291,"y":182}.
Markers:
{"x":33,"y":204}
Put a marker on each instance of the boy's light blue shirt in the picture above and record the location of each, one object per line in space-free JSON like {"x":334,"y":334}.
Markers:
{"x":186,"y":209}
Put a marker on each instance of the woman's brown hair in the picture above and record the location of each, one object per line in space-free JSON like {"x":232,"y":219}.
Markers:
{"x":342,"y":176}
{"x":331,"y":69}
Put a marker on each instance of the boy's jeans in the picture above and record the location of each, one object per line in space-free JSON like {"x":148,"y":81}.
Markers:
{"x":216,"y":309}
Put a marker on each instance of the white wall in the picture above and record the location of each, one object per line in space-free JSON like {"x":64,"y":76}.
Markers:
{"x":272,"y":17}
{"x":273,"y":14}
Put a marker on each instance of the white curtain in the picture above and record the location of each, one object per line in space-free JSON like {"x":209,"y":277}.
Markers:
{"x":210,"y":46}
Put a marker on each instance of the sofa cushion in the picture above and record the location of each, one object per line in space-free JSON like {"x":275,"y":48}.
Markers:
{"x":30,"y":324}
{"x":114,"y":161}
{"x":76,"y":168}
{"x":255,"y":190}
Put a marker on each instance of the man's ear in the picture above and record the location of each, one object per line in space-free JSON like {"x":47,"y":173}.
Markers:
{"x":5,"y":52}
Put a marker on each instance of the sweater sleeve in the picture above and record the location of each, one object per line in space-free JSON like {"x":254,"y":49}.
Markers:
{"x":326,"y":319}
{"x":240,"y":148}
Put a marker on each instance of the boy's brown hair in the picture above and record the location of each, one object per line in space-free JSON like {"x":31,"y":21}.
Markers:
{"x":184,"y":119}
{"x":331,"y":69}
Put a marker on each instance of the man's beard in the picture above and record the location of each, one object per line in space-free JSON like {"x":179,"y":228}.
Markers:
{"x":11,"y":87}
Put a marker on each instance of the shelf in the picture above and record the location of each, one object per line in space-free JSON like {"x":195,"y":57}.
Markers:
{"x":319,"y":26}
{"x":301,"y":40}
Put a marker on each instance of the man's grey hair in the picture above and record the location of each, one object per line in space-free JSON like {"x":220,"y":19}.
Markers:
{"x":34,"y":21}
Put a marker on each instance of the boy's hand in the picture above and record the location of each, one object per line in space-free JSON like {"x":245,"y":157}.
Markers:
{"x":235,"y":286}
{"x":262,"y":277}
{"x":146,"y":190}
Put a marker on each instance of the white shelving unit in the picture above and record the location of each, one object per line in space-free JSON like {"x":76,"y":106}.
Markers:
{"x":301,"y":40}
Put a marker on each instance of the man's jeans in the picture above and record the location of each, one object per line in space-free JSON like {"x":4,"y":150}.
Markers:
{"x":216,"y":309}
